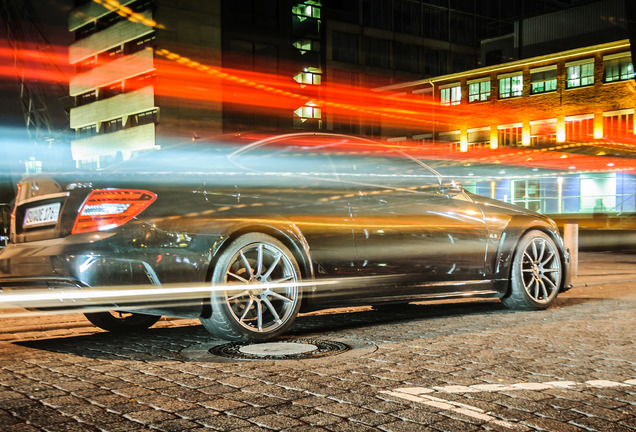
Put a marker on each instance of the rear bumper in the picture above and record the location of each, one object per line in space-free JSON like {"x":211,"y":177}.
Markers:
{"x":65,"y":273}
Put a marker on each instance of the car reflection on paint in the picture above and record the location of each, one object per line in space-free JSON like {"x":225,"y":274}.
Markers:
{"x":266,"y":221}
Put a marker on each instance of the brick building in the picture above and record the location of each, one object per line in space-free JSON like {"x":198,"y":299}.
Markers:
{"x":584,"y":95}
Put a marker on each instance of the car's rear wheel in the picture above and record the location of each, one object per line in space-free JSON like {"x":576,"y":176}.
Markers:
{"x":121,"y":321}
{"x":257,"y":296}
{"x":536,"y":273}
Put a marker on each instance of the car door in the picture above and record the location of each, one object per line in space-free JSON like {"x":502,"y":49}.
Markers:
{"x":411,"y":231}
{"x":296,"y":181}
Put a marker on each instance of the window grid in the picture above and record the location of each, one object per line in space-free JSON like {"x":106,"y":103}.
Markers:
{"x":580,"y":75}
{"x":479,"y":91}
{"x":451,"y":95}
{"x":511,"y":86}
{"x":543,"y":82}
{"x":619,"y":69}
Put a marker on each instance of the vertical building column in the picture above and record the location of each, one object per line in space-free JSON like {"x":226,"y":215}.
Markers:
{"x":525,"y":133}
{"x":560,"y":128}
{"x":598,"y":125}
{"x":463,"y":139}
{"x":494,"y":137}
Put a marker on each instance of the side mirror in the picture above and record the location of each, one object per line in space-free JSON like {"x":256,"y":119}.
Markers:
{"x":451,"y":188}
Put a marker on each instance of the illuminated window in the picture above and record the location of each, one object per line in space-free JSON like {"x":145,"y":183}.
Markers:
{"x":307,"y":115}
{"x":527,"y":193}
{"x":143,"y":118}
{"x":308,"y":112}
{"x":311,"y":76}
{"x":112,"y":125}
{"x":618,"y":69}
{"x":510,"y":85}
{"x":451,"y":95}
{"x":543,"y":80}
{"x":479,"y":91}
{"x":543,"y":131}
{"x":306,"y":45}
{"x":580,"y":74}
{"x":86,"y":131}
{"x":580,"y":127}
{"x":618,"y":124}
{"x":308,"y":9}
{"x":510,"y":135}
{"x":140,"y":44}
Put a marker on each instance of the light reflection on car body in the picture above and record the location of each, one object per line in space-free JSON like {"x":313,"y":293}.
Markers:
{"x":284,"y":209}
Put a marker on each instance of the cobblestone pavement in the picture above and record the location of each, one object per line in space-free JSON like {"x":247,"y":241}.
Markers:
{"x":456,"y":366}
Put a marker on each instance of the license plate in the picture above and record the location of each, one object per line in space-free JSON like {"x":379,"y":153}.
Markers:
{"x":41,"y":215}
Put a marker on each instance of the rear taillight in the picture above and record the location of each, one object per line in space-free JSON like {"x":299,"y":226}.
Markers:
{"x":109,"y":208}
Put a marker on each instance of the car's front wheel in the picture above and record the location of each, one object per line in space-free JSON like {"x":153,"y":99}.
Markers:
{"x":536,"y":273}
{"x":121,"y":321}
{"x":255,"y":295}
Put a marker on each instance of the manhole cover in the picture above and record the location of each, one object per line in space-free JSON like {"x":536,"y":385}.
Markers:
{"x":293,"y":349}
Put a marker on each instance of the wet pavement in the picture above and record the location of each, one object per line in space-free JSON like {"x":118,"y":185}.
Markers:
{"x":452,"y":366}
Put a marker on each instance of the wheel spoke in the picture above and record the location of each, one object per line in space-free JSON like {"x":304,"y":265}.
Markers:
{"x":280,"y":297}
{"x":272,"y":267}
{"x":548,"y":259}
{"x":247,"y":309}
{"x":540,"y":256}
{"x":259,"y":260}
{"x":535,"y":288}
{"x":259,"y":315}
{"x":285,"y":279}
{"x":235,"y":276}
{"x":244,"y":293}
{"x":550,"y":282}
{"x":246,"y":265}
{"x":270,"y":306}
{"x":543,"y":290}
{"x":534,"y":251}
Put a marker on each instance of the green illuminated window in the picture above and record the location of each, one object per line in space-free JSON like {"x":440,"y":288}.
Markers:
{"x":479,"y":91}
{"x":308,"y":9}
{"x":580,"y":75}
{"x":451,"y":95}
{"x":511,"y":86}
{"x":310,"y":76}
{"x":543,"y":81}
{"x":619,"y":69}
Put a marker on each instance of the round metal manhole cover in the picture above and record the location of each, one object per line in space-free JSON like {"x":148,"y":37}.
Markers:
{"x":292,"y":349}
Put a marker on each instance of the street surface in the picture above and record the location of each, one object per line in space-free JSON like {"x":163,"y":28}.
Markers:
{"x":456,"y":366}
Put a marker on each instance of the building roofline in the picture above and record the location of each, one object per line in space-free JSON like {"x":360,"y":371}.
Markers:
{"x":502,"y":66}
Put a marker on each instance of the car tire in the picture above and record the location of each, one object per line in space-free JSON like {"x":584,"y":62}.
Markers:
{"x":121,"y":321}
{"x":536,"y":273}
{"x":257,"y":310}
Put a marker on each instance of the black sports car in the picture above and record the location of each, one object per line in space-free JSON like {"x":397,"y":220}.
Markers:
{"x":243,"y":234}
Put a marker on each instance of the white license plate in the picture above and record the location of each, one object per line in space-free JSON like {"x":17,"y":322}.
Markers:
{"x":41,"y":215}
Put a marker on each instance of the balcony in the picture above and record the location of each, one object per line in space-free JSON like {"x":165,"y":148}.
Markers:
{"x":124,"y":141}
{"x":89,"y":12}
{"x":118,"y":70}
{"x":118,"y":106}
{"x":110,"y":37}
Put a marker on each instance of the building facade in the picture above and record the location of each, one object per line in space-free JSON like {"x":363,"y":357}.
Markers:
{"x":580,"y":100}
